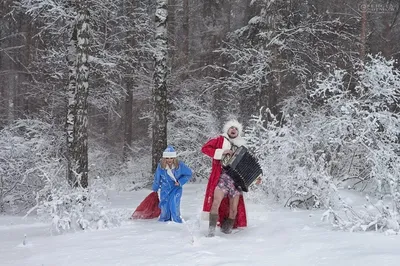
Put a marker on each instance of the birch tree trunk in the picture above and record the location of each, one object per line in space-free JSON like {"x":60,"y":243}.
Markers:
{"x":78,"y":88}
{"x":159,"y":128}
{"x":71,"y":107}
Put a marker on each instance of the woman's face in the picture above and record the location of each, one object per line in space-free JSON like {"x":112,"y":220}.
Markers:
{"x":169,"y":161}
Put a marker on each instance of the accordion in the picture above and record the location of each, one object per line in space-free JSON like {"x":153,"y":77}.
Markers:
{"x":242,"y":167}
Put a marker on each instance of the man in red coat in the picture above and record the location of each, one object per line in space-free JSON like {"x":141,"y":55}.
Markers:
{"x":229,"y":212}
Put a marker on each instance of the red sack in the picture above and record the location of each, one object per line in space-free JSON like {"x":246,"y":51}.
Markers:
{"x":148,"y":208}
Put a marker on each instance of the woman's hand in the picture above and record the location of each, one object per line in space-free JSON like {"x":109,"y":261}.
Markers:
{"x":177,"y":183}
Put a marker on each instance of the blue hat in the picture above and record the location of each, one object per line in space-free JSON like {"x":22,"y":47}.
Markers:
{"x":169,"y":152}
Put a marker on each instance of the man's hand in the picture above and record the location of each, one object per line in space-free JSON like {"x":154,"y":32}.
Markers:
{"x":258,"y":181}
{"x":177,"y":183}
{"x":230,"y":152}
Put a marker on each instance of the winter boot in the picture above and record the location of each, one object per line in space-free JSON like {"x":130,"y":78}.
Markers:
{"x":227,"y":226}
{"x":212,"y":224}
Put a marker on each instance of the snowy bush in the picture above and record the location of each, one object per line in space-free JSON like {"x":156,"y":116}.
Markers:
{"x":365,"y":119}
{"x":68,"y":208}
{"x":30,"y":152}
{"x":372,"y":217}
{"x":71,"y":209}
{"x":339,"y":134}
{"x":293,"y":162}
{"x":366,"y":142}
{"x":32,"y":177}
{"x":190,"y":125}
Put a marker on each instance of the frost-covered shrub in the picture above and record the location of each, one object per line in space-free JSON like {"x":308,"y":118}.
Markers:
{"x":367,"y":125}
{"x":189,"y":127}
{"x":68,"y":208}
{"x":30,"y":151}
{"x":379,"y":216}
{"x":362,"y":128}
{"x":335,"y":135}
{"x":293,"y":162}
{"x":32,"y":177}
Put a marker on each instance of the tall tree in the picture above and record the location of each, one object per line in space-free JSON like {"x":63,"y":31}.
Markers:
{"x":363,"y":31}
{"x":129,"y":84}
{"x":77,"y":120}
{"x":4,"y":9}
{"x":185,"y":29}
{"x":159,"y":127}
{"x":172,"y":27}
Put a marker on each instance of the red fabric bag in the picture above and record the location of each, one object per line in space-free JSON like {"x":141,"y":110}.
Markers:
{"x":148,"y":208}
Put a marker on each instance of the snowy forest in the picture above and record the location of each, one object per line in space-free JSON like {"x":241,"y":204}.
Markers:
{"x":92,"y":91}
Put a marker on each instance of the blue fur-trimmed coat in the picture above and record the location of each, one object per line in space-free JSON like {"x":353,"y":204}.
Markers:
{"x":170,"y":194}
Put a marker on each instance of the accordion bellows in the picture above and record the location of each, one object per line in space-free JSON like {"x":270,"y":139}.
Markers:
{"x":243,"y":168}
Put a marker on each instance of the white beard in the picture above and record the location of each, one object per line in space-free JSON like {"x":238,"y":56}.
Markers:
{"x":238,"y":141}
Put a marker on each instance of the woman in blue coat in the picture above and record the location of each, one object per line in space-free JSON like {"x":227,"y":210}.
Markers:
{"x":169,"y":177}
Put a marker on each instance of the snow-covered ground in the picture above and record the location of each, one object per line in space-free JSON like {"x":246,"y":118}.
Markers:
{"x":275,"y":236}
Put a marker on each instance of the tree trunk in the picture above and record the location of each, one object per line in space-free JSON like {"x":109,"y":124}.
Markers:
{"x":24,"y":76}
{"x":3,"y":92}
{"x":128,"y":123}
{"x":185,"y":29}
{"x":129,"y":85}
{"x":159,"y":127}
{"x":71,"y":107}
{"x":171,"y":28}
{"x":77,"y":120}
{"x":363,"y":30}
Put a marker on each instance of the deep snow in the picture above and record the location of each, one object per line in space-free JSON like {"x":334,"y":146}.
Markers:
{"x":275,"y":236}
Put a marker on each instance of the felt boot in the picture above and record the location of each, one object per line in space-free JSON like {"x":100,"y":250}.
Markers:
{"x":212,"y":224}
{"x":227,"y":226}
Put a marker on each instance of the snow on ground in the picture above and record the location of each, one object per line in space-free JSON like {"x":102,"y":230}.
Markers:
{"x":275,"y":236}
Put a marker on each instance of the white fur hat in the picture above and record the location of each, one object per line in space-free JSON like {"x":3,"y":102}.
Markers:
{"x":169,"y":152}
{"x":233,"y":123}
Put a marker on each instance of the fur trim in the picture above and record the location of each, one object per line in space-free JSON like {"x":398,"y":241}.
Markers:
{"x":233,"y":123}
{"x":169,"y":154}
{"x":218,"y":154}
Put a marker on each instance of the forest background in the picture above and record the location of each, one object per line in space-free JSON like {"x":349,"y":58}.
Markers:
{"x":92,"y":91}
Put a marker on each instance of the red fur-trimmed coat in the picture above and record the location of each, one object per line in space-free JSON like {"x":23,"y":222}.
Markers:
{"x":214,"y":148}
